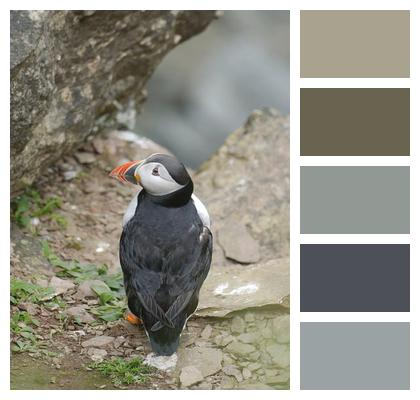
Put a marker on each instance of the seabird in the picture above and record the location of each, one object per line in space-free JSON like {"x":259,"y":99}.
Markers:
{"x":165,"y":248}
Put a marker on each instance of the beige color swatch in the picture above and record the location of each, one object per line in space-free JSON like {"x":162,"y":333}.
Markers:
{"x":355,"y":44}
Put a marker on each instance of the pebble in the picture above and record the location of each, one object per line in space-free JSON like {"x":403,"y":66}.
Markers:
{"x":231,"y":370}
{"x":84,"y":158}
{"x":248,"y":338}
{"x":98,"y":341}
{"x":97,"y":354}
{"x":226,"y":340}
{"x":240,"y":349}
{"x":279,"y":354}
{"x":227,"y":382}
{"x":84,"y":290}
{"x":69,"y":175}
{"x":80,"y":314}
{"x":246,"y":373}
{"x":119,"y":341}
{"x":238,"y":325}
{"x":60,"y":286}
{"x":207,"y":331}
{"x":190,"y":375}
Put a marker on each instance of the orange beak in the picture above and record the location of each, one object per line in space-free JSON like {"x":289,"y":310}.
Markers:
{"x":127,"y":172}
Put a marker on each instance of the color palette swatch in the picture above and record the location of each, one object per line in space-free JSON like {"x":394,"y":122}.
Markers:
{"x":355,"y":355}
{"x":355,"y":44}
{"x":355,"y":199}
{"x":355,"y":277}
{"x":357,"y":204}
{"x":355,"y":122}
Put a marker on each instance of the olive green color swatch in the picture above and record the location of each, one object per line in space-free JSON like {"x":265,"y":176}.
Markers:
{"x":355,"y":44}
{"x":355,"y":122}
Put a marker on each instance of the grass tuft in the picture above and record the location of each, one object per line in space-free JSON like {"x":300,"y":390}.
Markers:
{"x":124,"y":372}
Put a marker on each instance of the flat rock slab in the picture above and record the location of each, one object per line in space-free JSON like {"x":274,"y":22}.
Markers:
{"x":98,"y":341}
{"x":190,"y":375}
{"x":207,"y":360}
{"x":60,"y":286}
{"x":240,"y":287}
{"x":237,"y":243}
{"x":80,"y":314}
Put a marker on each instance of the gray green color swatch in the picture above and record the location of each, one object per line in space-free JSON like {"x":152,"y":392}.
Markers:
{"x":355,"y":44}
{"x":355,"y":355}
{"x":355,"y":122}
{"x":355,"y":278}
{"x":355,"y":199}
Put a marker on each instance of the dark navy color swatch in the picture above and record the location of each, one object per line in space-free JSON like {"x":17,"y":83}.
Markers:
{"x":354,"y":277}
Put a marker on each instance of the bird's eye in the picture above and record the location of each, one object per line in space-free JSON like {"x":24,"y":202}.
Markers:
{"x":155,"y":171}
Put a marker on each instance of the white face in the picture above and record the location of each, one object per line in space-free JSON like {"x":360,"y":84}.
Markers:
{"x":156,"y":180}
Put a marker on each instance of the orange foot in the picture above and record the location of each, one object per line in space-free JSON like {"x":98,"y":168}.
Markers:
{"x":132,"y":319}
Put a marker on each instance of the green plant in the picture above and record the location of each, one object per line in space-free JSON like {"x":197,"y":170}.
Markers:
{"x":30,"y":205}
{"x":21,"y":291}
{"x":111,"y":296}
{"x":20,"y":325}
{"x":124,"y":372}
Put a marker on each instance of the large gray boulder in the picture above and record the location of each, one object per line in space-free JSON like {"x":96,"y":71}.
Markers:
{"x":74,"y":73}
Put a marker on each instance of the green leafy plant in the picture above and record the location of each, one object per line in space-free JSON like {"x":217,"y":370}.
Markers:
{"x":111,"y":296}
{"x":30,"y":205}
{"x":20,"y":325}
{"x":21,"y":291}
{"x":124,"y":372}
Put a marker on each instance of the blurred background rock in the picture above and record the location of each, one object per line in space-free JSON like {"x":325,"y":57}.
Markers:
{"x":207,"y":87}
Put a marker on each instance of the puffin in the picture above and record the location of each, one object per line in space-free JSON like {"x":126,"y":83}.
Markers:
{"x":165,"y":248}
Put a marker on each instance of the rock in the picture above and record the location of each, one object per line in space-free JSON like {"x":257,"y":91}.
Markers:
{"x":73,"y":75}
{"x":190,"y":375}
{"x":248,"y":338}
{"x":98,"y":341}
{"x":69,"y":175}
{"x":238,"y":325}
{"x":280,"y":327}
{"x":206,"y":332}
{"x":207,"y":360}
{"x":240,"y":349}
{"x":231,"y":370}
{"x":205,"y":386}
{"x":281,"y":378}
{"x":226,"y":340}
{"x":119,"y":341}
{"x":251,"y":169}
{"x":249,"y":317}
{"x":162,"y":363}
{"x":254,"y":366}
{"x":85,"y":158}
{"x":97,"y":354}
{"x":238,"y":287}
{"x":237,"y":243}
{"x":80,"y":314}
{"x":246,"y":373}
{"x":30,"y":308}
{"x":227,"y":383}
{"x":279,"y":354}
{"x":60,"y":286}
{"x":85,"y":291}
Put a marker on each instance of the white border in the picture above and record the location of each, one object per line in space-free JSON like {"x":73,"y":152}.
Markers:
{"x":294,"y":6}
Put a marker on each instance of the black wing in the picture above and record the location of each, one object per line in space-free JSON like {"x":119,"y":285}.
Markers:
{"x":179,"y":270}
